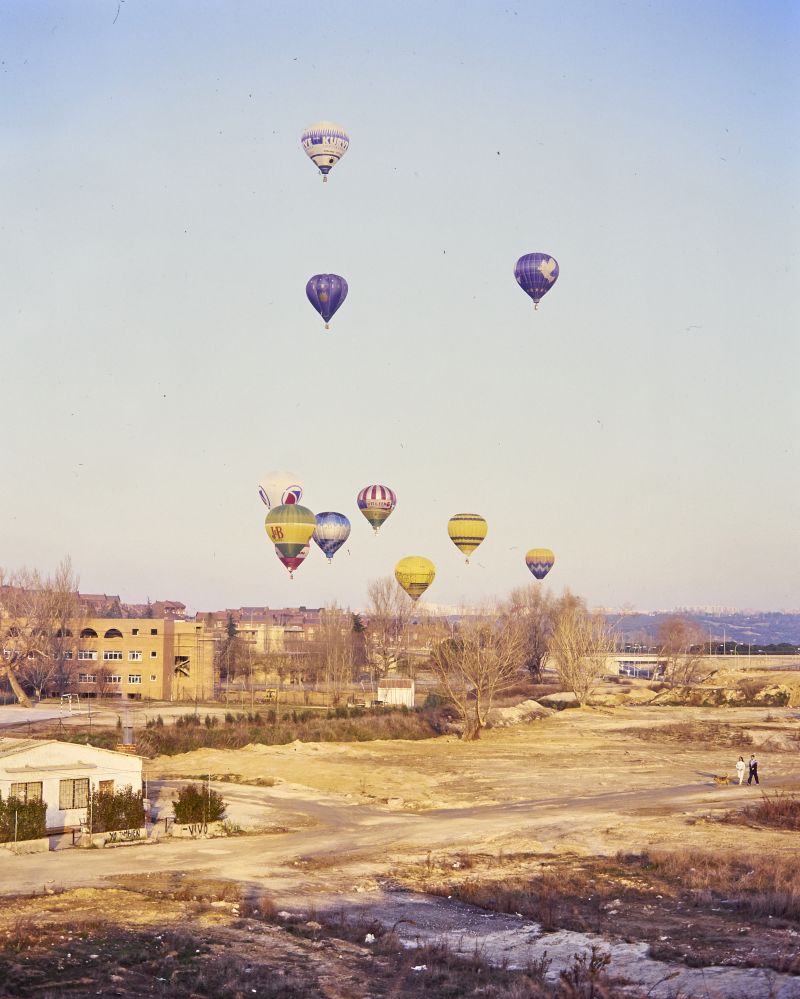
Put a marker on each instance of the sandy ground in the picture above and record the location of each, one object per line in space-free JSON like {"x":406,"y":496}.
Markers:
{"x":341,"y":818}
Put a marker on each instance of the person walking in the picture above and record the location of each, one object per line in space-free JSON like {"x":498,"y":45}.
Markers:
{"x":753,"y":769}
{"x":740,"y":769}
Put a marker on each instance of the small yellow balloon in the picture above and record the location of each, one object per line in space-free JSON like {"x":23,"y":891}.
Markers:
{"x":466,"y":531}
{"x":415,"y":574}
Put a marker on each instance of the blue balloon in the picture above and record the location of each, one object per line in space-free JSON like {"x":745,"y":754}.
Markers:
{"x":326,"y":292}
{"x":536,"y":273}
{"x":331,"y":532}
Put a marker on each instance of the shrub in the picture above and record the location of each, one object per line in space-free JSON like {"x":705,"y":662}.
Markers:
{"x":198,"y":804}
{"x":21,"y":819}
{"x":119,"y":810}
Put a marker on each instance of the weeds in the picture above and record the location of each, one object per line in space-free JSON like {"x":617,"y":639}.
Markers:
{"x":779,"y":811}
{"x":714,"y":735}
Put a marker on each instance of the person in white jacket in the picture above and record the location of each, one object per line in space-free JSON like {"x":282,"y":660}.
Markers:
{"x":740,"y":769}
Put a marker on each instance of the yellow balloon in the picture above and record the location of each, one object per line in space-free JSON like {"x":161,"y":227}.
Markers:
{"x":415,"y":574}
{"x":466,"y":531}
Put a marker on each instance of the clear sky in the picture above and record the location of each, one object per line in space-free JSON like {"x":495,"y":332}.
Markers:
{"x":160,"y":220}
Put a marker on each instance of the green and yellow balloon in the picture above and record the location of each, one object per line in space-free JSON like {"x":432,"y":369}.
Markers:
{"x":415,"y":574}
{"x":466,"y":531}
{"x":289,"y":527}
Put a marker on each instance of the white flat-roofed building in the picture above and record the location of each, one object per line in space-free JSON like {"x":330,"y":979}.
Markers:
{"x":63,"y":775}
{"x":397,"y":691}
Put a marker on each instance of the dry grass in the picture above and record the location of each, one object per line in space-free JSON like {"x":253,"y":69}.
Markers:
{"x":713,"y":735}
{"x":778,"y":811}
{"x":760,"y":886}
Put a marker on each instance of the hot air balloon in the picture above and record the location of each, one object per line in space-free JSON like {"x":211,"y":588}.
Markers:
{"x":415,"y":574}
{"x":326,"y":292}
{"x":376,"y":503}
{"x":325,"y":144}
{"x":289,"y":527}
{"x":331,"y":532}
{"x":466,"y":531}
{"x":279,"y":487}
{"x":293,"y":561}
{"x":540,"y":561}
{"x":536,"y":273}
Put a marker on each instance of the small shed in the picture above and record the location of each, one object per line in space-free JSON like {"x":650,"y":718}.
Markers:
{"x":396,"y":691}
{"x":63,"y":775}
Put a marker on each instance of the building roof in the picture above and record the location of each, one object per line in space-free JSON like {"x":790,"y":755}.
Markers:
{"x":8,"y":747}
{"x":397,"y":683}
{"x":13,"y":747}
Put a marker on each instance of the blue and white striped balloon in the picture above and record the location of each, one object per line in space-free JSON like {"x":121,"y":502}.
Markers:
{"x":331,"y":532}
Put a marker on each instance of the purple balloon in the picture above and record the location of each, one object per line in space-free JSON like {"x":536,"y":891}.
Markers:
{"x":536,"y":273}
{"x":326,"y":292}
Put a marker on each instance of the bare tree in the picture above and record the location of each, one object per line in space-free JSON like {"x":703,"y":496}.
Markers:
{"x":681,"y":642}
{"x":388,"y":613}
{"x":39,"y":618}
{"x":335,"y":649}
{"x":580,"y":646}
{"x":482,"y":656}
{"x":537,"y":612}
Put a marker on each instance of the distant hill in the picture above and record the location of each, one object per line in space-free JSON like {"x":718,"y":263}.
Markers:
{"x":757,"y":628}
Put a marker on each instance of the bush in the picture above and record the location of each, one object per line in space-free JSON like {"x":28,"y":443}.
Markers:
{"x":119,"y":810}
{"x":21,"y":819}
{"x":198,"y":804}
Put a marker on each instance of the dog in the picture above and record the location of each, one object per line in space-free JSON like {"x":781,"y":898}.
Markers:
{"x":721,"y":780}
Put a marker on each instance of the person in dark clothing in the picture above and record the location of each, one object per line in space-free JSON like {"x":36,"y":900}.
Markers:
{"x":753,"y":770}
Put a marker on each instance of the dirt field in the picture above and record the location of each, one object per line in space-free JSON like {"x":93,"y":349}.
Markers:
{"x":595,"y":827}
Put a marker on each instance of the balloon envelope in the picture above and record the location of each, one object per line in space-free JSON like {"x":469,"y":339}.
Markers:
{"x":331,"y":532}
{"x":376,"y":503}
{"x":326,"y":292}
{"x":289,"y":527}
{"x":466,"y":531}
{"x":325,"y":143}
{"x":536,"y":273}
{"x":279,"y":487}
{"x":292,"y":562}
{"x":540,"y":561}
{"x":415,"y":573}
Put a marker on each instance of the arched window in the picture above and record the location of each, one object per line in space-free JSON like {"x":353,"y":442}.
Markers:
{"x":113,"y":633}
{"x":63,"y":633}
{"x":88,"y":633}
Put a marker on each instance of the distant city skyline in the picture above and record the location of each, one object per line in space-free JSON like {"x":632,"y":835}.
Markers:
{"x":161,"y":221}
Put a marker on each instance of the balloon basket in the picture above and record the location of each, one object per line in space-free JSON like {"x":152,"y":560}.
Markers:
{"x":327,"y":327}
{"x":324,"y":178}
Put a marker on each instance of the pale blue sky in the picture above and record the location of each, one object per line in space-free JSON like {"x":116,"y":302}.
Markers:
{"x":160,"y":221}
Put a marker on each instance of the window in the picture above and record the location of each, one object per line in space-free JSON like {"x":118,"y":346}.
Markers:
{"x":115,"y":678}
{"x":73,"y":793}
{"x":27,"y":792}
{"x":105,"y":787}
{"x":134,"y":657}
{"x":154,"y":654}
{"x":88,"y":633}
{"x":134,"y":631}
{"x":67,"y":654}
{"x":87,"y":654}
{"x":113,"y":633}
{"x":134,"y":678}
{"x":87,"y":678}
{"x":154,"y":631}
{"x":116,"y":654}
{"x":153,"y":677}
